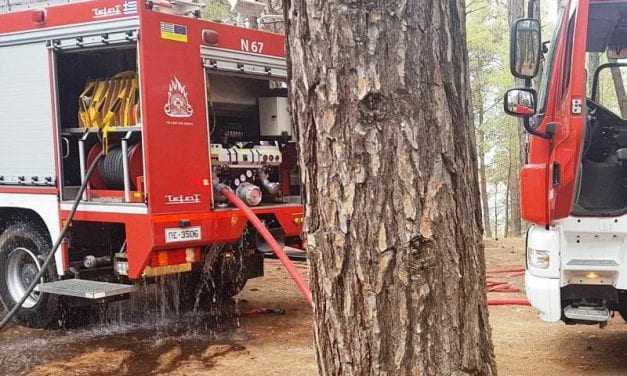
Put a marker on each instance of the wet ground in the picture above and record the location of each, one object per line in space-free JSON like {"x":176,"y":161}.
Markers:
{"x":280,"y":344}
{"x":152,"y":339}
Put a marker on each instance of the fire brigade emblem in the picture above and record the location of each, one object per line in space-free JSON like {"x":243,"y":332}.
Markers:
{"x":178,"y":105}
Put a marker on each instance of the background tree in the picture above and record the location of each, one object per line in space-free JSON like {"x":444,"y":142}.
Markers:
{"x":218,"y":10}
{"x":518,"y":9}
{"x":380,"y":95}
{"x":497,"y":134}
{"x":501,"y":139}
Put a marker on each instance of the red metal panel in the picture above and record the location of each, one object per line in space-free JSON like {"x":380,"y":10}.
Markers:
{"x":215,"y":228}
{"x":288,"y":220}
{"x":28,"y":190}
{"x":176,"y":146}
{"x":568,"y":141}
{"x":565,"y":147}
{"x":246,"y":40}
{"x":533,"y":193}
{"x":139,"y":236}
{"x":175,"y":135}
{"x":74,"y":13}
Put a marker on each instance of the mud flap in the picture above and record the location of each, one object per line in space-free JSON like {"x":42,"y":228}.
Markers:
{"x":534,"y":194}
{"x":253,"y":265}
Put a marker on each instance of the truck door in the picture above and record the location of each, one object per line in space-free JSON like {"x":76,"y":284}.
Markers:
{"x":570,"y":116}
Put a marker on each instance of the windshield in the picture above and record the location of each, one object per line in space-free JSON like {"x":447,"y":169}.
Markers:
{"x":548,"y":68}
{"x":607,"y":79}
{"x":606,"y":56}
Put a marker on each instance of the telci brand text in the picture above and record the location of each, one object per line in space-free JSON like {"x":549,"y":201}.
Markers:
{"x":182,"y":199}
{"x":126,"y":8}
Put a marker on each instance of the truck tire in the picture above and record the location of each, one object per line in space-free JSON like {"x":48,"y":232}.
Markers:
{"x":229,"y":275}
{"x":23,"y":247}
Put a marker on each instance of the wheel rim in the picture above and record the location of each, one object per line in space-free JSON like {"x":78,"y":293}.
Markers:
{"x":22,"y":268}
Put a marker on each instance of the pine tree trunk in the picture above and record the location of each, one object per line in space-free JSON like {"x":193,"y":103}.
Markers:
{"x":506,"y":233}
{"x":484,"y":185}
{"x":619,"y":87}
{"x":516,"y":10}
{"x":496,"y":211}
{"x":274,"y":7}
{"x":516,"y":221}
{"x":594,"y":60}
{"x":380,"y":96}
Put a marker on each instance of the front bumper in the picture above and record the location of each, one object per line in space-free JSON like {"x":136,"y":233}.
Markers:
{"x":544,"y":295}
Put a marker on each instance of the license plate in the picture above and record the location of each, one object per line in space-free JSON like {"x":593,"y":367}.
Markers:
{"x":174,"y":235}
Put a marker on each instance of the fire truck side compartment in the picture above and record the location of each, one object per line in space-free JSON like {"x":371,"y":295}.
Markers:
{"x":74,"y":69}
{"x":25,"y":116}
{"x":47,"y":70}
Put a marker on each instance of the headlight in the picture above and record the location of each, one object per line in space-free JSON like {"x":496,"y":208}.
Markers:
{"x":538,"y":258}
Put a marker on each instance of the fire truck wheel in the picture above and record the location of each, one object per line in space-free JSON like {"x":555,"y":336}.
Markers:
{"x":226,"y":280}
{"x":23,"y":248}
{"x":229,"y":276}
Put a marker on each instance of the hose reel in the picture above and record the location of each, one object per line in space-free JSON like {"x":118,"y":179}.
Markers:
{"x":109,"y":172}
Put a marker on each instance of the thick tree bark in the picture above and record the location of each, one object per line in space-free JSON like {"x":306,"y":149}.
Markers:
{"x":380,"y":96}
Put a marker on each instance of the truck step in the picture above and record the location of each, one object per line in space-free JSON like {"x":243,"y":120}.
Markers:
{"x":83,"y":288}
{"x":589,"y":262}
{"x":293,"y":254}
{"x":583,"y":313}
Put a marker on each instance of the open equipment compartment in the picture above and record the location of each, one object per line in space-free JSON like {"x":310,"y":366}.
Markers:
{"x":99,"y":108}
{"x":252,"y":144}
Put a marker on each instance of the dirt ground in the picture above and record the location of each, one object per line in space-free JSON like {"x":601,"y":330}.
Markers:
{"x":280,"y":344}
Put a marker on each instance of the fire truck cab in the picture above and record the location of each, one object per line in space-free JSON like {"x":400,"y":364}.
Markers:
{"x":574,"y":183}
{"x":166,"y":107}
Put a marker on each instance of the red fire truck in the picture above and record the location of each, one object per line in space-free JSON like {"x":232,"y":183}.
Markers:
{"x":124,"y":117}
{"x":574,"y":184}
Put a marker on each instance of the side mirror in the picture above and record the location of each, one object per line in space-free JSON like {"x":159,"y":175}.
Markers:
{"x":520,"y":102}
{"x":525,"y":48}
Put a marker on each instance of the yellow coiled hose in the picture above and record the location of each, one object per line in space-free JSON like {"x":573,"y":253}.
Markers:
{"x":108,"y":103}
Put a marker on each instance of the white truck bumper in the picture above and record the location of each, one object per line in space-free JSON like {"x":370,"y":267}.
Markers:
{"x":544,"y":296}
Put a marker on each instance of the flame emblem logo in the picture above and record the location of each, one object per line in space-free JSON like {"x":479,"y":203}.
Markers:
{"x":178,"y":105}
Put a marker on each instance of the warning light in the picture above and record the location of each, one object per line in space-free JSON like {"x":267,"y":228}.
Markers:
{"x":209,"y":37}
{"x":38,"y":16}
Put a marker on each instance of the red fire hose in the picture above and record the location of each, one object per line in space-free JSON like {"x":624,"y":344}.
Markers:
{"x":522,"y":302}
{"x":508,"y":270}
{"x":499,"y":286}
{"x":493,"y":286}
{"x":263,"y":231}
